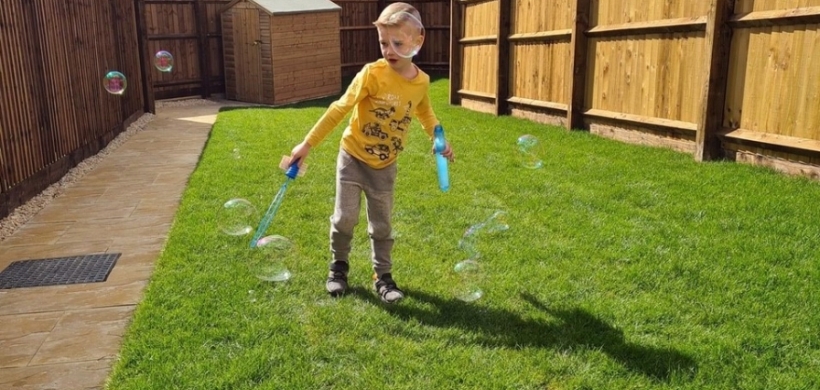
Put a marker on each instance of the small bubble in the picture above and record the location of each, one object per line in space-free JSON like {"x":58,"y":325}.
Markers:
{"x":164,"y":61}
{"x":115,"y":82}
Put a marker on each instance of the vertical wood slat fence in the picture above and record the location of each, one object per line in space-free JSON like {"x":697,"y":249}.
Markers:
{"x":713,"y":78}
{"x":191,"y":30}
{"x":360,"y":39}
{"x":55,"y":111}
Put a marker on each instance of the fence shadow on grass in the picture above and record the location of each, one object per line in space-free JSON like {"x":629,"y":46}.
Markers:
{"x":571,"y":329}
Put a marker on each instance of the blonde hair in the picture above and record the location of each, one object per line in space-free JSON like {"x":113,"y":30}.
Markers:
{"x":399,"y":13}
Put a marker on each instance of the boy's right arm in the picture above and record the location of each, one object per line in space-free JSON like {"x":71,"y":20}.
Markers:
{"x":359,"y":88}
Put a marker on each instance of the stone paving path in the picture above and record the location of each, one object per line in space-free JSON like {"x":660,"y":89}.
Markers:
{"x":68,"y":337}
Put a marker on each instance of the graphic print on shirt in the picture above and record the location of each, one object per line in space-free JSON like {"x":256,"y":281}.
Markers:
{"x":397,"y":146}
{"x":383,"y":113}
{"x":380,"y":150}
{"x":404,"y":123}
{"x":374,"y":129}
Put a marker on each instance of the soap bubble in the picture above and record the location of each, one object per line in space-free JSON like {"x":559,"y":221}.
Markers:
{"x":497,"y":223}
{"x":406,"y":38}
{"x":237,"y":217}
{"x":164,"y":61}
{"x":115,"y":82}
{"x":269,"y":258}
{"x":529,"y":150}
{"x":468,"y":289}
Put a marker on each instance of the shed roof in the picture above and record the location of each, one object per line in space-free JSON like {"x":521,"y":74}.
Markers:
{"x":275,"y":7}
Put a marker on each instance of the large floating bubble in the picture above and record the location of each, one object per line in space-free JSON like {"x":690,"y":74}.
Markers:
{"x":237,"y":217}
{"x":269,"y":259}
{"x":484,"y":230}
{"x":529,"y":152}
{"x":468,"y":288}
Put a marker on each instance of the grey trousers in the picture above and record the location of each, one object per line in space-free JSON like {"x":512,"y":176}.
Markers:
{"x":352,"y":178}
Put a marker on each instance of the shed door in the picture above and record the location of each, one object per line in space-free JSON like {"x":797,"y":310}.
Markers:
{"x":248,"y":55}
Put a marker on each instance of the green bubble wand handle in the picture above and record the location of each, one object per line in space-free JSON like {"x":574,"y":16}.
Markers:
{"x":274,"y":205}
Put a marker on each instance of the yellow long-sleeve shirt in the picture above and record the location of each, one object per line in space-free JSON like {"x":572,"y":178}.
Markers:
{"x":383,"y":104}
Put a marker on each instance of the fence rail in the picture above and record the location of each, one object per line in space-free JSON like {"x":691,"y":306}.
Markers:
{"x":55,"y":111}
{"x":715,"y":78}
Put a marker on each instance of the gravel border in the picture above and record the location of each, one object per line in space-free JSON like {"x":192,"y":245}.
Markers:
{"x":22,"y":214}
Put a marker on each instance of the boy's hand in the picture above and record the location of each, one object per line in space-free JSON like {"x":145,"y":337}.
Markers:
{"x":448,"y":152}
{"x":301,"y":152}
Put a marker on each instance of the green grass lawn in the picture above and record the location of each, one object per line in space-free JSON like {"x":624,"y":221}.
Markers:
{"x":625,"y":267}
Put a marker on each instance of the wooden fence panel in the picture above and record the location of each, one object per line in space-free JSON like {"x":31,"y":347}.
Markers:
{"x":191,"y":31}
{"x":771,"y":108}
{"x":57,"y":113}
{"x":435,"y":53}
{"x":360,"y":41}
{"x":19,"y":122}
{"x":645,"y":71}
{"x":541,"y":59}
{"x":477,"y":50}
{"x":712,"y":78}
{"x":608,"y":12}
{"x":214,"y":48}
{"x":657,"y":76}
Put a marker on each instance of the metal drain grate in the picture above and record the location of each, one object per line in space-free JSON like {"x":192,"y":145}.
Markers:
{"x":58,"y":271}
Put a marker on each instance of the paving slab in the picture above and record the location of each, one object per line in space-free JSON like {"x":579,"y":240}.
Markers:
{"x":68,"y":336}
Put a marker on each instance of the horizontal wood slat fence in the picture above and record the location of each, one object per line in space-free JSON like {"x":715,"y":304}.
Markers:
{"x":715,"y":78}
{"x":55,"y":111}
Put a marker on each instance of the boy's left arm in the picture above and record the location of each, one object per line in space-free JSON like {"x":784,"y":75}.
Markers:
{"x":424,"y":111}
{"x":428,"y":120}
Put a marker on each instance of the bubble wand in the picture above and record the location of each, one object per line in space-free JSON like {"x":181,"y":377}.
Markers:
{"x":440,"y":145}
{"x":291,"y":173}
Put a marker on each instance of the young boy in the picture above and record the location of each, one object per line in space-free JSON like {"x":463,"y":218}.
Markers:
{"x":383,"y":96}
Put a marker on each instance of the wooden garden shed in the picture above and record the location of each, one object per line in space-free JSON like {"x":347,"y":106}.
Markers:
{"x":281,"y":51}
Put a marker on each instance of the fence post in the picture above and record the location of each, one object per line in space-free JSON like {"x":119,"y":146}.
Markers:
{"x":578,"y":54}
{"x":147,"y":76}
{"x":456,"y":33}
{"x":718,"y":44}
{"x":502,"y":87}
{"x":201,"y":16}
{"x":115,"y":11}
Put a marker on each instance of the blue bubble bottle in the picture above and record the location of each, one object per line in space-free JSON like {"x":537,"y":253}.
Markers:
{"x":439,"y":144}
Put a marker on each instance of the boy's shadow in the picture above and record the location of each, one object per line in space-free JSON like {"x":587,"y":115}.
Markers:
{"x":570,"y":330}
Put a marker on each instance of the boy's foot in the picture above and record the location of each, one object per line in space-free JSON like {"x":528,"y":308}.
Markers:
{"x":387,"y":289}
{"x":337,"y":278}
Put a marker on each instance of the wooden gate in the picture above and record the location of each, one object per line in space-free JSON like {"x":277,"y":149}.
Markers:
{"x":189,"y":30}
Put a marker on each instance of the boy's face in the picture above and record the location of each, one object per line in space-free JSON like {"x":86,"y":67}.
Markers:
{"x":399,"y":44}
